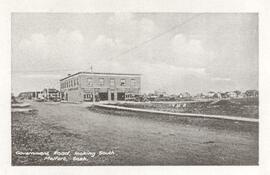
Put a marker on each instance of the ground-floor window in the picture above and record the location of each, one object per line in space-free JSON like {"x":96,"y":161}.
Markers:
{"x":88,"y":97}
{"x":103,"y":96}
{"x":121,"y":96}
{"x":129,"y":96}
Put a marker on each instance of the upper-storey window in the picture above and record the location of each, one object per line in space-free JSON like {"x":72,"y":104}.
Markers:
{"x":112,"y":82}
{"x":122,"y":82}
{"x":133,"y":82}
{"x":90,"y":81}
{"x":101,"y":81}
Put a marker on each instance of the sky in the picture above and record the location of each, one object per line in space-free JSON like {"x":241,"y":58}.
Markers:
{"x":174,"y":52}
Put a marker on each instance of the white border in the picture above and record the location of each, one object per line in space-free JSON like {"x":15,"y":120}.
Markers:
{"x":8,"y":6}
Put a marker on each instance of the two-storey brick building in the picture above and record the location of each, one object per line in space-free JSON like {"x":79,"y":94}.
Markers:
{"x":93,"y":86}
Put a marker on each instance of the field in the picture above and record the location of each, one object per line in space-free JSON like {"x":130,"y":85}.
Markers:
{"x":247,"y":107}
{"x":135,"y":139}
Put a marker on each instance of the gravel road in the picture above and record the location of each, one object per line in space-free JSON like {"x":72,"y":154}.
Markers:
{"x":133,"y":140}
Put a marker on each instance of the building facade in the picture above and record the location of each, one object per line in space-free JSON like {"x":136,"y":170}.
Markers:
{"x":93,"y":86}
{"x":27,"y":95}
{"x":51,"y":94}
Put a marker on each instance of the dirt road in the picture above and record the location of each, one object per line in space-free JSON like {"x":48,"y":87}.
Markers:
{"x":133,"y":140}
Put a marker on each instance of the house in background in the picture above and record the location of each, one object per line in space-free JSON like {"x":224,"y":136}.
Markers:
{"x":27,"y":95}
{"x":252,"y":93}
{"x":217,"y":95}
{"x":160,"y":93}
{"x":51,"y":94}
{"x":200,"y":96}
{"x":232,"y":94}
{"x":237,"y":92}
{"x":186,"y":95}
{"x":38,"y":95}
{"x":210,"y":94}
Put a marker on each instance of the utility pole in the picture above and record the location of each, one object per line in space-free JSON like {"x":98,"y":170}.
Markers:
{"x":93,"y":89}
{"x":91,"y":69}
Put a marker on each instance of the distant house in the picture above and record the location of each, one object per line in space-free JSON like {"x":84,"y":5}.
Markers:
{"x":238,"y":93}
{"x":252,"y":93}
{"x":242,"y":95}
{"x":199,"y":96}
{"x":186,"y":95}
{"x":211,"y":94}
{"x":39,"y":95}
{"x":51,"y":94}
{"x":232,"y":94}
{"x":151,"y":97}
{"x":218,"y":95}
{"x":180,"y":95}
{"x":26,"y":95}
{"x":160,"y":93}
{"x":224,"y":95}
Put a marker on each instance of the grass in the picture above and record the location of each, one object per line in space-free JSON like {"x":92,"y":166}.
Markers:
{"x":249,"y":128}
{"x":246,"y":107}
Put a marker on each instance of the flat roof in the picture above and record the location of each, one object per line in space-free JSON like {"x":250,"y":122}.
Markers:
{"x":100,"y":73}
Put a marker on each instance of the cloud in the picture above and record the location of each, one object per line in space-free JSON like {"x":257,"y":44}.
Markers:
{"x":189,"y":52}
{"x":127,"y":30}
{"x":106,"y":42}
{"x":193,"y":58}
{"x":36,"y":43}
{"x":165,"y":63}
{"x":76,"y":36}
{"x":155,"y":75}
{"x":51,"y":51}
{"x":130,"y":29}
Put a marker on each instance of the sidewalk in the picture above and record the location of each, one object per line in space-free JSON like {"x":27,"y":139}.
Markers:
{"x":224,"y":117}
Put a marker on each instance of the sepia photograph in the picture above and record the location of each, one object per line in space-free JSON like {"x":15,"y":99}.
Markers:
{"x":134,"y":89}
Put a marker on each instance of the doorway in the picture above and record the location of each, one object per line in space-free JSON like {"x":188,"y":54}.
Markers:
{"x":112,"y":96}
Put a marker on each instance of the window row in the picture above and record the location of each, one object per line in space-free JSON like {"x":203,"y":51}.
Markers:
{"x":70,"y":83}
{"x":112,"y":82}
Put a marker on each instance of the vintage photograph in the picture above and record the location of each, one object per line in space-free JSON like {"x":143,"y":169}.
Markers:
{"x":136,"y":89}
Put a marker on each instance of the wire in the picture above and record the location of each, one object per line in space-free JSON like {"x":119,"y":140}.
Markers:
{"x":126,"y":51}
{"x":155,"y":37}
